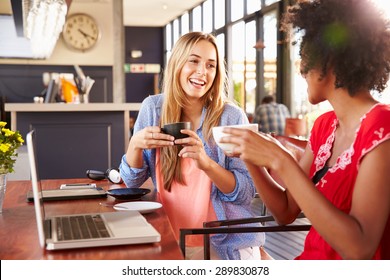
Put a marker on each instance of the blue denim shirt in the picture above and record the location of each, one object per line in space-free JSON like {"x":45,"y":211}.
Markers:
{"x":233,"y":205}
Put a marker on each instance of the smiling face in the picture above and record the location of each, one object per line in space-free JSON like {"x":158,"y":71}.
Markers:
{"x":199,"y":71}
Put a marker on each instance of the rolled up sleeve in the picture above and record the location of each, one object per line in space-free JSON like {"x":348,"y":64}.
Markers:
{"x":133,"y":177}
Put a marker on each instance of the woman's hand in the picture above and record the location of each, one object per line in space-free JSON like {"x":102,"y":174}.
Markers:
{"x":256,"y":148}
{"x":193,"y":148}
{"x":151,"y":137}
{"x":148,"y":138}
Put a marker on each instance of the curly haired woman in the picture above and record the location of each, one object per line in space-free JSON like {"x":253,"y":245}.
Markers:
{"x":341,"y":182}
{"x":197,"y":183}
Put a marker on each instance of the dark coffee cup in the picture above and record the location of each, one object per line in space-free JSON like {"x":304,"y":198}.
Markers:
{"x":174,"y":129}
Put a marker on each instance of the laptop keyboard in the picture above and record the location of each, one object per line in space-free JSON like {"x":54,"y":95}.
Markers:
{"x":81,"y":227}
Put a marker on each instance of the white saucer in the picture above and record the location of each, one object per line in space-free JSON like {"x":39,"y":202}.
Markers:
{"x":141,"y":206}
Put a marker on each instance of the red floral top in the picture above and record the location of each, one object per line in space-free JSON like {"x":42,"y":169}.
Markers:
{"x":338,"y":183}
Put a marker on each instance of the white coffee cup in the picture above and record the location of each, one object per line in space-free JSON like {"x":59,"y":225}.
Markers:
{"x":218,"y":134}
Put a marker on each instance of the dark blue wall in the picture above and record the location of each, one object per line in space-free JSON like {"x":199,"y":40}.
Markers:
{"x":150,"y":41}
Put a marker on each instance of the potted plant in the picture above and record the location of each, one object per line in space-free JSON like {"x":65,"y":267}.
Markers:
{"x":10,"y":141}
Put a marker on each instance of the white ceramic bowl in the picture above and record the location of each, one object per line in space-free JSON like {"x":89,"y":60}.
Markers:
{"x":218,"y":134}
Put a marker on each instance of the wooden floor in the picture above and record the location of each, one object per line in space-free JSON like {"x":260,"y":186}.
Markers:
{"x":282,"y":245}
{"x":286,"y":245}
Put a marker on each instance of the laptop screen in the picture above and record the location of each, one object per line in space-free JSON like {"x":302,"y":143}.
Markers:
{"x":36,"y":186}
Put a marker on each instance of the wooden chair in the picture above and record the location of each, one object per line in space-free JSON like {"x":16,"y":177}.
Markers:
{"x":295,"y":127}
{"x":297,"y":147}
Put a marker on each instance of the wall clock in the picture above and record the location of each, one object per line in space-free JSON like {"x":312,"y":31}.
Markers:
{"x":80,"y":32}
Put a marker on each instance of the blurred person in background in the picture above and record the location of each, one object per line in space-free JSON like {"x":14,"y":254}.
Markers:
{"x":271,"y":116}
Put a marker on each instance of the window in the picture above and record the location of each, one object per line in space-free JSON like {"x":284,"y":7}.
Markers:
{"x":244,"y":64}
{"x":269,"y":2}
{"x":237,"y":33}
{"x":219,"y":13}
{"x":299,"y":86}
{"x":250,"y":67}
{"x":252,"y":6}
{"x":237,"y":10}
{"x":197,"y":19}
{"x":185,"y":23}
{"x":269,"y":52}
{"x":176,"y":31}
{"x":238,"y":58}
{"x":208,"y":16}
{"x":221,"y":44}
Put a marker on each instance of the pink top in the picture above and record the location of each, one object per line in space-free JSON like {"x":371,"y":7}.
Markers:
{"x":337,"y":184}
{"x":189,"y":205}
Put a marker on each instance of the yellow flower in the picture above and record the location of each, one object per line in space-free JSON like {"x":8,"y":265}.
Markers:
{"x":10,"y":141}
{"x":4,"y":148}
{"x":20,"y":139}
{"x":8,"y":132}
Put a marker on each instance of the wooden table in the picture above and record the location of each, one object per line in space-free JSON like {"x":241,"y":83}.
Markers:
{"x":19,"y":236}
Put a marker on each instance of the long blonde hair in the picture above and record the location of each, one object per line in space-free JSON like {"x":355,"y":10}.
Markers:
{"x":175,"y":99}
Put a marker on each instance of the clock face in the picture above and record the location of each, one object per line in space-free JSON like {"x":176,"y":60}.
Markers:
{"x":80,"y":32}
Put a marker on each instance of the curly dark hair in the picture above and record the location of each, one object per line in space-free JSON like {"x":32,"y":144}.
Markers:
{"x":351,"y":37}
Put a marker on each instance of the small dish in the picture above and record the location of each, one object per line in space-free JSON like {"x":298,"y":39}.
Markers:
{"x":128,"y":193}
{"x":141,"y":206}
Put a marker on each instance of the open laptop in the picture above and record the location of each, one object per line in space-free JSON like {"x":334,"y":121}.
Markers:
{"x":85,"y":230}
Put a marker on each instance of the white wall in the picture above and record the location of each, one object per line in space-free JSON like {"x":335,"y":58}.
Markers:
{"x":102,"y":54}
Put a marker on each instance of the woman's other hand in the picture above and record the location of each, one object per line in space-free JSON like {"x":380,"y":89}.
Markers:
{"x":257,"y":148}
{"x":193,"y":148}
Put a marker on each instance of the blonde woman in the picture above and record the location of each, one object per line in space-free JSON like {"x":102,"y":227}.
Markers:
{"x":197,"y":182}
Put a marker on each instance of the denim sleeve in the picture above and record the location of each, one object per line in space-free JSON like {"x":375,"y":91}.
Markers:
{"x":244,"y":189}
{"x":133,"y":177}
{"x":149,"y":115}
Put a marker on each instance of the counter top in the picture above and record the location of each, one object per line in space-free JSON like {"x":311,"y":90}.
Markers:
{"x":66,"y":107}
{"x":107,"y":121}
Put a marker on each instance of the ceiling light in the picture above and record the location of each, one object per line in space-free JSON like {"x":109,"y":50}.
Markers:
{"x":43,"y":23}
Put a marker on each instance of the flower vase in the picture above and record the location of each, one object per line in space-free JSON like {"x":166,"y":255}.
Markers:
{"x":3,"y":184}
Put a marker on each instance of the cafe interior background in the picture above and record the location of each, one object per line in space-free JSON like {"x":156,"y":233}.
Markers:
{"x":133,"y":42}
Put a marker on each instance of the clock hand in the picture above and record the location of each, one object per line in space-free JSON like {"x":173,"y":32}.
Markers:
{"x":85,"y":34}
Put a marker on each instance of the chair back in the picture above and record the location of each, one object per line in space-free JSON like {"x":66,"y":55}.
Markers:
{"x":295,"y":127}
